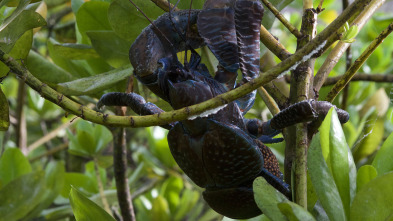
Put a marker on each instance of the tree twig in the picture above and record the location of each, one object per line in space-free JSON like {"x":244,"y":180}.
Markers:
{"x":358,"y":63}
{"x":50,"y":152}
{"x":273,"y":44}
{"x":341,"y":46}
{"x":283,"y":20}
{"x":21,"y":133}
{"x":300,"y":85}
{"x":322,"y":40}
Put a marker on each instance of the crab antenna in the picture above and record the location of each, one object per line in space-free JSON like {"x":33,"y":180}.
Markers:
{"x":175,"y":27}
{"x":170,"y":43}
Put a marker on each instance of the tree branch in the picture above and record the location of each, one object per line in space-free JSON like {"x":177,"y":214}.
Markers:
{"x":273,"y":44}
{"x":358,"y":63}
{"x":284,"y":21}
{"x":341,"y":46}
{"x":324,"y":39}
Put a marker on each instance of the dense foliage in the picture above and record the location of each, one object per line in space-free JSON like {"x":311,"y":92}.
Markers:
{"x":55,"y":166}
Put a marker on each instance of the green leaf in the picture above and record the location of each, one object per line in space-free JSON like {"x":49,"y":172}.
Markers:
{"x":323,"y":181}
{"x":19,"y":9}
{"x":127,"y":22}
{"x":371,"y":139}
{"x":383,"y":161}
{"x":294,"y":212}
{"x":45,"y":70}
{"x":92,"y":16}
{"x":13,"y":164}
{"x":160,"y":209}
{"x":4,"y":114}
{"x":104,"y":161}
{"x":21,"y":195}
{"x":85,"y":209}
{"x":268,"y":198}
{"x":170,"y":190}
{"x":75,"y":51}
{"x":26,"y":20}
{"x":339,"y":160}
{"x":111,"y":47}
{"x":103,"y":136}
{"x":76,"y":68}
{"x":374,"y":200}
{"x":54,"y":181}
{"x":366,"y":173}
{"x":77,"y":180}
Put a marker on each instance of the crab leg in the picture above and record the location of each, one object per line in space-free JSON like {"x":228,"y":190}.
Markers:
{"x":136,"y":102}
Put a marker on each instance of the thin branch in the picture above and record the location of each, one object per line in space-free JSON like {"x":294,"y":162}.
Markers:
{"x":269,"y":101}
{"x":120,"y":168}
{"x":283,"y":20}
{"x":300,"y":85}
{"x":358,"y":63}
{"x":273,"y":44}
{"x":50,"y":152}
{"x":324,"y":39}
{"x":104,"y":200}
{"x":21,"y":132}
{"x":49,"y":136}
{"x":380,"y":78}
{"x":341,"y":46}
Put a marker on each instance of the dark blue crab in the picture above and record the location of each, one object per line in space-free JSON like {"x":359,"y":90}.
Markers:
{"x":222,"y":152}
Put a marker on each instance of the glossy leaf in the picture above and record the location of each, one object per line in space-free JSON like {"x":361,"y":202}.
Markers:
{"x":383,"y":161}
{"x":374,"y":200}
{"x":268,"y":198}
{"x":45,"y":70}
{"x":95,"y":84}
{"x":13,"y":164}
{"x":25,"y":21}
{"x":85,"y":209}
{"x":92,"y":16}
{"x":76,"y":68}
{"x":126,"y":21}
{"x":110,"y":47}
{"x":294,"y":212}
{"x":19,"y":9}
{"x":339,"y":160}
{"x":371,"y":138}
{"x":75,"y":51}
{"x":21,"y":195}
{"x":4,"y":113}
{"x":323,"y":182}
{"x":366,"y":173}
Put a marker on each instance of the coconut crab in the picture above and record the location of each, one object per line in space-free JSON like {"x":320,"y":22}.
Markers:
{"x":222,"y":152}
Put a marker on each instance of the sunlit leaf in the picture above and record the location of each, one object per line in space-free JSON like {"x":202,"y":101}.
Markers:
{"x":85,"y":209}
{"x":268,"y":198}
{"x":383,"y":161}
{"x":294,"y":212}
{"x":374,"y":200}
{"x":323,"y":182}
{"x":366,"y":173}
{"x":25,"y":21}
{"x":160,"y":209}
